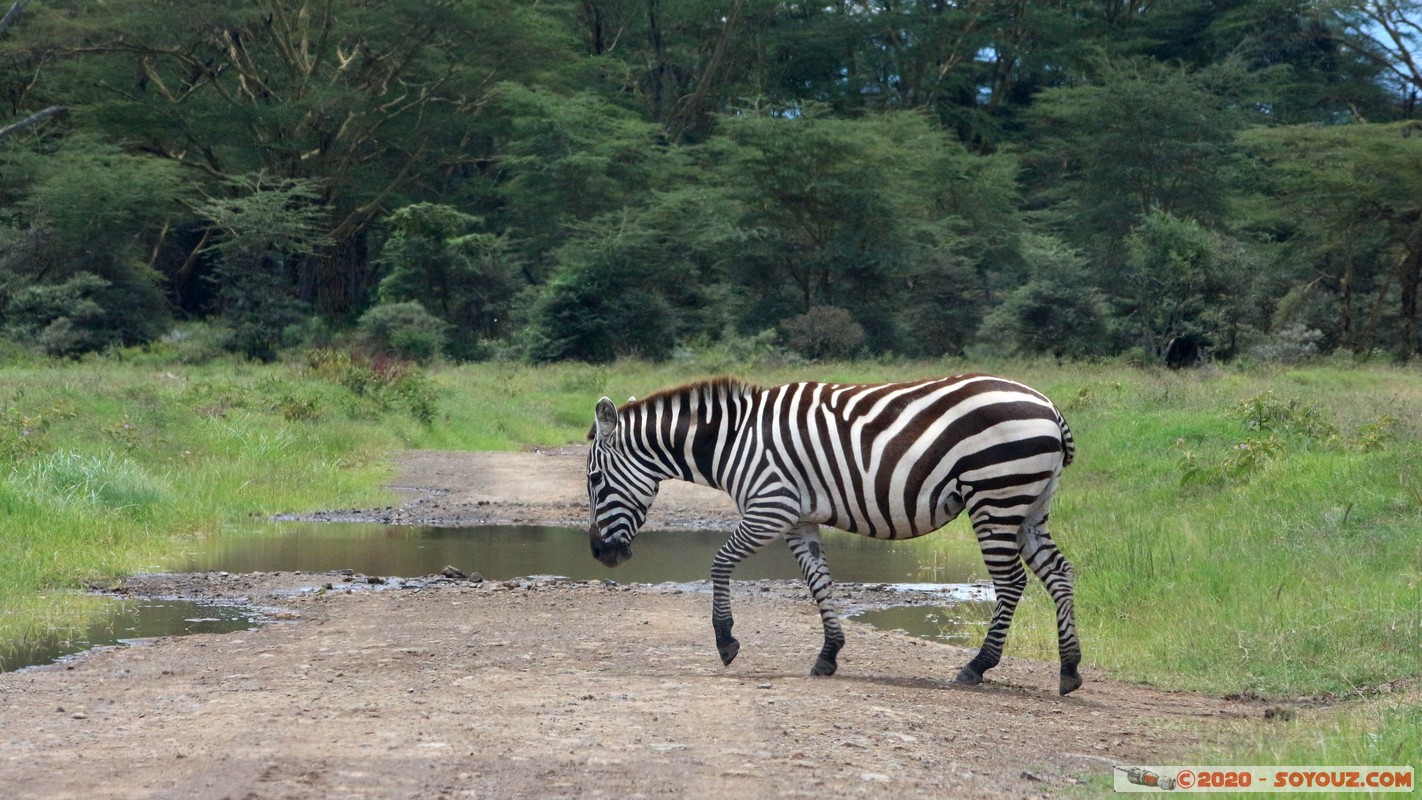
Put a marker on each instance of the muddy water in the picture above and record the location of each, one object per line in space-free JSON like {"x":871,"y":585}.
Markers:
{"x":504,"y":552}
{"x":500,"y":552}
{"x":128,"y":621}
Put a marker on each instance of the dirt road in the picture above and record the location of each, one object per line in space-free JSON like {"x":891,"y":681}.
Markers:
{"x":448,"y":688}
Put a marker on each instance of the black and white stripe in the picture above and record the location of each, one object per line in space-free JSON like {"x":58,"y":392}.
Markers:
{"x":892,"y":461}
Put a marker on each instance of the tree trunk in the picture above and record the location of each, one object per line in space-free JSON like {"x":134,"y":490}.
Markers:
{"x":336,"y":281}
{"x":1410,"y":275}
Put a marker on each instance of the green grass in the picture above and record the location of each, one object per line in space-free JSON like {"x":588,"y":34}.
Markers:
{"x":106,"y":466}
{"x":1235,"y":531}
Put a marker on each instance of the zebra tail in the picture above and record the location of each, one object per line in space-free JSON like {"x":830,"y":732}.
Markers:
{"x":1068,"y":441}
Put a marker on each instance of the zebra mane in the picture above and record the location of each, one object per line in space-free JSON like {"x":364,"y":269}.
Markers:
{"x":723,"y":386}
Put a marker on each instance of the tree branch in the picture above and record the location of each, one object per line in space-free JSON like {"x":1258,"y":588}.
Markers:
{"x":33,"y":120}
{"x":12,"y":15}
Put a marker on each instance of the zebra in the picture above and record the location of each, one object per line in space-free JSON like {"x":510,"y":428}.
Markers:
{"x":890,"y":461}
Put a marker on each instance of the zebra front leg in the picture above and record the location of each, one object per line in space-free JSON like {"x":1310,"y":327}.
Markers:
{"x":742,"y":543}
{"x":1009,"y":580}
{"x":1042,"y":555}
{"x":804,"y":541}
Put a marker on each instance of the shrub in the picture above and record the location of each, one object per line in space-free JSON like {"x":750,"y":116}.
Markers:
{"x":1291,"y":344}
{"x":405,"y":330}
{"x":824,"y":332}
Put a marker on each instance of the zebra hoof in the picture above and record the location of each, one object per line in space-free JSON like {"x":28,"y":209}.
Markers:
{"x":823,"y":667}
{"x":1071,"y":681}
{"x":969,"y":677}
{"x":728,"y":651}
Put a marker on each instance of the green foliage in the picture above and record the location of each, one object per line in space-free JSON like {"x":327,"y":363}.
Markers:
{"x":405,"y":330}
{"x":1183,"y":280}
{"x":466,"y":278}
{"x":72,"y":274}
{"x":278,"y":168}
{"x":1343,"y":199}
{"x":600,"y":306}
{"x":1137,"y":136}
{"x":1266,"y":412}
{"x":1056,"y":312}
{"x":824,"y":332}
{"x":377,"y":385}
{"x":570,"y":158}
{"x":62,"y":319}
{"x":264,"y":226}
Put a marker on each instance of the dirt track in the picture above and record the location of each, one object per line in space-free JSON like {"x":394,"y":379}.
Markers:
{"x":556,"y":689}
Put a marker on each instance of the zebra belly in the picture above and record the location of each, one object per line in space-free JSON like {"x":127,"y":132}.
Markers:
{"x":902,"y":527}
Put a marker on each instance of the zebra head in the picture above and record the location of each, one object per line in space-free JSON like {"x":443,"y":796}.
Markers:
{"x":620,"y":490}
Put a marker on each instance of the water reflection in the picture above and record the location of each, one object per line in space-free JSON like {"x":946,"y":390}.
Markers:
{"x":124,"y":621}
{"x":964,"y":624}
{"x":500,"y":552}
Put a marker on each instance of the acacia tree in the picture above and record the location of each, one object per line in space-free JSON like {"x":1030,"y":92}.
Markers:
{"x":1343,"y":205}
{"x":374,"y":101}
{"x":1138,"y":137}
{"x":1389,"y":34}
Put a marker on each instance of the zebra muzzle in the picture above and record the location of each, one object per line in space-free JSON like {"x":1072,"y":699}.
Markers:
{"x":609,"y":551}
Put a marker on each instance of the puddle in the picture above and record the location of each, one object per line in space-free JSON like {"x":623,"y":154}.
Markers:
{"x":501,"y":552}
{"x":126,"y":622}
{"x":948,"y":568}
{"x":963,"y":625}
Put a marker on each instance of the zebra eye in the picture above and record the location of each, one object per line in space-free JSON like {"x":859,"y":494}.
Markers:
{"x":595,"y":475}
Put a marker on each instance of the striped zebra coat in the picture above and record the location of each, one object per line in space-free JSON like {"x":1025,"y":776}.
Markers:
{"x":892,"y":461}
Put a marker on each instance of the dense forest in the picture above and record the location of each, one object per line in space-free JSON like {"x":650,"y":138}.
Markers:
{"x":1168,"y":180}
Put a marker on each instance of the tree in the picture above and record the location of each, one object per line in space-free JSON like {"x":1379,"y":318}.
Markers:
{"x":435,"y":256}
{"x":1342,"y":205}
{"x":857,"y":214}
{"x":1182,"y":282}
{"x":566,"y":159}
{"x":43,"y":114}
{"x":264,"y":226}
{"x":1387,"y":33}
{"x":86,"y":222}
{"x":1057,"y":311}
{"x":604,"y":301}
{"x":1139,"y":137}
{"x":372,"y":101}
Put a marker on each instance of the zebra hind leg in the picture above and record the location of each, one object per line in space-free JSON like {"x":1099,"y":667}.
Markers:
{"x":804,"y":541}
{"x":1056,"y":573}
{"x":1009,"y":580}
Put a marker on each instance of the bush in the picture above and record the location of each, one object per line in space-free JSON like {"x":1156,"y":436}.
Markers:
{"x":824,"y":332}
{"x":405,"y":330}
{"x":1291,"y":344}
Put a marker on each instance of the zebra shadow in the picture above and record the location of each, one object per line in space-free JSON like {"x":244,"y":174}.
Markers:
{"x":988,"y":688}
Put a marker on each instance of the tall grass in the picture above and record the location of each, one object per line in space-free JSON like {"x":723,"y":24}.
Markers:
{"x":107,"y":465}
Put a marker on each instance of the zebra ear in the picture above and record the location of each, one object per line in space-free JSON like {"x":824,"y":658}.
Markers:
{"x":606,"y":419}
